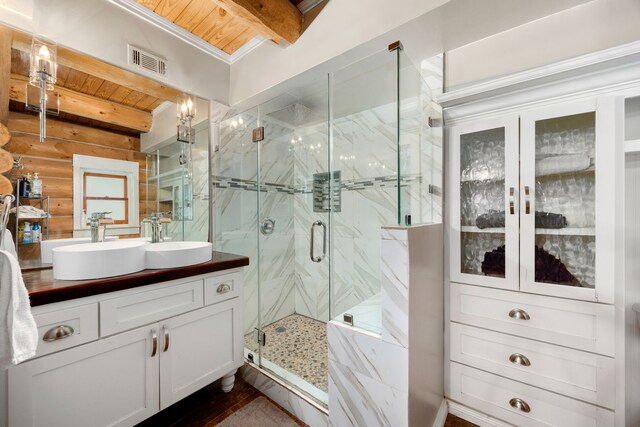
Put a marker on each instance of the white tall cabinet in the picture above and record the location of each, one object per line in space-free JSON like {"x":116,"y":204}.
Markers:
{"x":535,"y":297}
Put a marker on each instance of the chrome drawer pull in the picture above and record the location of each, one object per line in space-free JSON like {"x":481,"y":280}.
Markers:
{"x":58,"y":333}
{"x":519,"y":359}
{"x":223,"y":288}
{"x":520,"y":404}
{"x":519,"y":314}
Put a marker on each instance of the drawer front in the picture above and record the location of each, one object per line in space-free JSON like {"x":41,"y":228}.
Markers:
{"x":221,"y":288}
{"x":65,"y":328}
{"x":130,"y":311}
{"x":499,"y":397}
{"x":585,"y":376}
{"x":578,"y":324}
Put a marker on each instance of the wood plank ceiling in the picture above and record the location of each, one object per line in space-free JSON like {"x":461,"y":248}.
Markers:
{"x":230,"y":24}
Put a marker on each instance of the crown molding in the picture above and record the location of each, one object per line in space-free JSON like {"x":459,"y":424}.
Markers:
{"x":546,"y":73}
{"x":153,"y":18}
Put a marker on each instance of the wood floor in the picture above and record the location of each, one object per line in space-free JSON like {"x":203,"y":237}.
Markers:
{"x":210,"y":406}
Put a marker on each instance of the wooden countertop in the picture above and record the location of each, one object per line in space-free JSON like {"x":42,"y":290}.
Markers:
{"x":44,"y":289}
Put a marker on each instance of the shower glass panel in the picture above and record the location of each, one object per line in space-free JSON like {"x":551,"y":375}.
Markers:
{"x":341,"y":157}
{"x":364,"y":129}
{"x":293,"y":221}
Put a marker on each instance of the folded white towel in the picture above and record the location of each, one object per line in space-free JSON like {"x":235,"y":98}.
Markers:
{"x":562,"y":163}
{"x":18,"y":330}
{"x":30,"y":212}
{"x":7,"y":244}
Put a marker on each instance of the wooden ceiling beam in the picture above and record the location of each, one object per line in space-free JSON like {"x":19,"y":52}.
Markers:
{"x":88,"y":106}
{"x":276,"y":19}
{"x":102,"y":70}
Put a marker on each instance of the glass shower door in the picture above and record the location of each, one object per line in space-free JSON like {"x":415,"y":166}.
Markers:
{"x":294,"y":199}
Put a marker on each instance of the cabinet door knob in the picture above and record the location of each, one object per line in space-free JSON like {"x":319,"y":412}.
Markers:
{"x":154,"y":345}
{"x":165,"y":329}
{"x":519,"y":314}
{"x":223,"y":288}
{"x":519,"y":359}
{"x":520,"y":404}
{"x":58,"y":333}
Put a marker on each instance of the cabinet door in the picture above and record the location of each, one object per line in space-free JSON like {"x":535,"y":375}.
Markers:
{"x":483,"y":182}
{"x":198,"y":348}
{"x":112,"y":382}
{"x":568,"y":200}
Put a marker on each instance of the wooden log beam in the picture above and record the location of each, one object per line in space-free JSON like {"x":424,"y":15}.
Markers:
{"x":88,"y":106}
{"x":102,"y":70}
{"x":275,"y":19}
{"x":5,"y":73}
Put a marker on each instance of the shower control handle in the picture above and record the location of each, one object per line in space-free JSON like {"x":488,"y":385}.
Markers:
{"x":324,"y":241}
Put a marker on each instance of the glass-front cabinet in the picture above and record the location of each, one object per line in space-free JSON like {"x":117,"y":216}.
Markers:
{"x":529,"y":201}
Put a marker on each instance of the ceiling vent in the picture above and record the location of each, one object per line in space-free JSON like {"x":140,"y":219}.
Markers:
{"x":147,"y":61}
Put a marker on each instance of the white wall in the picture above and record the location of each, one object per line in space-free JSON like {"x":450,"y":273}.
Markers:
{"x":593,"y":26}
{"x":101,"y":29}
{"x":348,"y":30}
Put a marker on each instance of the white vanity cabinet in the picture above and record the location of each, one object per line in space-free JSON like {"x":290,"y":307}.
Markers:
{"x":128,"y":375}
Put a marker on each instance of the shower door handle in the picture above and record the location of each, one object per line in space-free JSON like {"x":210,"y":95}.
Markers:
{"x":324,"y":241}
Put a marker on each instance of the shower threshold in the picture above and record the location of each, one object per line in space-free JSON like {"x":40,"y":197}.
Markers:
{"x":296,"y":350}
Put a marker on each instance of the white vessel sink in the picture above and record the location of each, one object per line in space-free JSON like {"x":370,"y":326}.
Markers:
{"x":98,"y":260}
{"x":46,"y":246}
{"x":177,"y":254}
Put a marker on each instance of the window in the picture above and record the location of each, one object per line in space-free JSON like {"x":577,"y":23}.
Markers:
{"x":106,"y":185}
{"x":106,"y":193}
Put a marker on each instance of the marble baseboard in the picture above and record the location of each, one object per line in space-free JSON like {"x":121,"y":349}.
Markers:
{"x":290,"y":401}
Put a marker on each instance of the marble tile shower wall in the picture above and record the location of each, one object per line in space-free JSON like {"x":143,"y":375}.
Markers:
{"x":365,"y":153}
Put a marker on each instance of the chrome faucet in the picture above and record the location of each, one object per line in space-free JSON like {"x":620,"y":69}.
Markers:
{"x":98,"y":223}
{"x":157,"y":221}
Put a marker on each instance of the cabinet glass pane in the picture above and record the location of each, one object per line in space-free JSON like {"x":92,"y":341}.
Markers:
{"x":482,"y":215}
{"x":565,"y":200}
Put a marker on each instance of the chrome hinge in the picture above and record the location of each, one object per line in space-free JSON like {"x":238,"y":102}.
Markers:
{"x":260,"y":337}
{"x":258,"y":134}
{"x":434,"y":122}
{"x":348,"y":319}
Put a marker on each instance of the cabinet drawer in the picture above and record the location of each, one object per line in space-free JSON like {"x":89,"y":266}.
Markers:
{"x":585,"y":376}
{"x":130,"y":311}
{"x":578,"y":324}
{"x":72,"y":327}
{"x":221,"y":288}
{"x":495,"y":396}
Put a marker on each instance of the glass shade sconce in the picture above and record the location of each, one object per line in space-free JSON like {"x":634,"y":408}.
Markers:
{"x":186,"y":111}
{"x":39,"y":95}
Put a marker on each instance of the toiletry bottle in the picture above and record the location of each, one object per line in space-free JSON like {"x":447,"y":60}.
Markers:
{"x":30,"y":186}
{"x":23,"y":187}
{"x":36,"y":188}
{"x":26,"y":234}
{"x":35,"y":233}
{"x":20,"y":233}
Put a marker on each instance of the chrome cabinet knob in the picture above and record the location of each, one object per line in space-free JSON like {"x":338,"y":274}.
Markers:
{"x":57,"y":333}
{"x":519,"y":359}
{"x":519,"y":314}
{"x":520,"y":404}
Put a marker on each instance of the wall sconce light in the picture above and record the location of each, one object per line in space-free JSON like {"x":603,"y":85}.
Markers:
{"x":186,"y":113}
{"x":43,"y":70}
